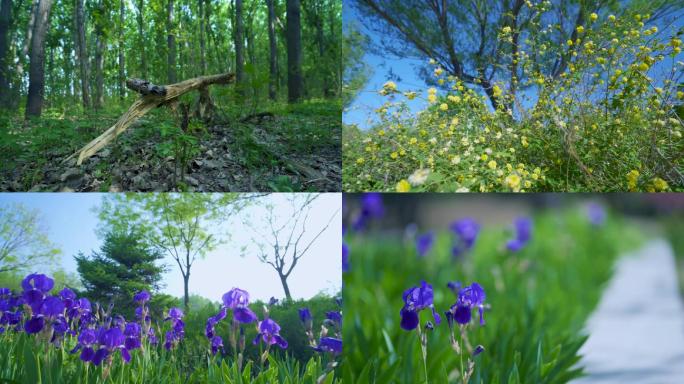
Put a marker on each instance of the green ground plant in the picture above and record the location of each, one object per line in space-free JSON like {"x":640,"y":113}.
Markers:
{"x":538,"y":301}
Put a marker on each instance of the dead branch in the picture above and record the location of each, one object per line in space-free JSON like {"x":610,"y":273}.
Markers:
{"x":152,"y":96}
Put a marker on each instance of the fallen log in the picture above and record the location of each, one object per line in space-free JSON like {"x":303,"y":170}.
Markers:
{"x":152,"y":96}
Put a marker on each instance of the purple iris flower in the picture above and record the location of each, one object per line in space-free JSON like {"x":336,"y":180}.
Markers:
{"x":371,"y":208}
{"x":35,"y":324}
{"x":133,"y":333}
{"x":52,"y":306}
{"x":424,"y":243}
{"x":238,"y":300}
{"x":596,"y":214}
{"x":305,"y":315}
{"x":415,"y":300}
{"x":269,"y":333}
{"x":142,"y":297}
{"x":466,"y":230}
{"x":345,"y":257}
{"x":177,"y":331}
{"x":523,"y":233}
{"x":469,"y":298}
{"x":329,"y":344}
{"x":110,"y":341}
{"x":216,"y":344}
{"x":37,"y":281}
{"x":335,"y":317}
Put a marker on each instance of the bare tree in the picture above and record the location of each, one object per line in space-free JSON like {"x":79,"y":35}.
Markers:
{"x":283,"y":242}
{"x":23,"y":240}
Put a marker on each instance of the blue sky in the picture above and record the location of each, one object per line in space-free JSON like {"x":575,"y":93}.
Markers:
{"x":71,"y":222}
{"x":360,"y":112}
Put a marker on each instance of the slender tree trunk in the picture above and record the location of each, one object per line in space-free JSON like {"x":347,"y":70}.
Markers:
{"x":122,"y":74}
{"x":83,"y":54}
{"x":171,"y":43}
{"x":273,"y":49}
{"x":5,"y":22}
{"x":24,"y":52}
{"x":238,"y":34}
{"x":99,"y":70}
{"x":286,"y":288}
{"x":295,"y":86}
{"x":141,"y":36}
{"x":34,"y":101}
{"x":186,"y":292}
{"x":203,"y":44}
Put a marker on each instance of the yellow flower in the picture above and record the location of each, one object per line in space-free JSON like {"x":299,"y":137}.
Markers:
{"x":438,"y":71}
{"x":454,"y":99}
{"x":497,"y":91}
{"x":432,"y":62}
{"x":611,"y":18}
{"x":432,"y":98}
{"x":360,"y":160}
{"x":492,"y":164}
{"x":593,"y":17}
{"x":403,"y":186}
{"x":580,"y":29}
{"x":394,"y":155}
{"x":413,"y":141}
{"x":680,"y":95}
{"x":506,"y":29}
{"x":443,"y":107}
{"x":410,"y":95}
{"x":432,"y":91}
{"x":643,"y":67}
{"x":512,"y":181}
{"x":570,"y":43}
{"x":632,"y":178}
{"x":484,"y":157}
{"x":389,"y":87}
{"x":659,"y":184}
{"x":381,"y":132}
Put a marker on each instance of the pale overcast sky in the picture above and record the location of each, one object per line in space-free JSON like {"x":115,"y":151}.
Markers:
{"x":71,"y":225}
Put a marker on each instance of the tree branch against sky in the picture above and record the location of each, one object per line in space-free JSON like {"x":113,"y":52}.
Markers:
{"x":24,"y":242}
{"x":464,"y":37}
{"x":182,"y":225}
{"x":282,"y":238}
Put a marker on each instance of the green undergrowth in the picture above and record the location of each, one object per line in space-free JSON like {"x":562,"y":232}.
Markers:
{"x":540,"y":299}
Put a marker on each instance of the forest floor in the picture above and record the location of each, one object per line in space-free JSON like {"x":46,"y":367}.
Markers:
{"x":293,"y":148}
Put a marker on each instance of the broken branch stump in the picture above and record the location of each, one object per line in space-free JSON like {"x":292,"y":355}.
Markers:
{"x":152,"y":96}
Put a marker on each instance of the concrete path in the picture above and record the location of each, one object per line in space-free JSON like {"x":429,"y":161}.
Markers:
{"x":637,"y":331}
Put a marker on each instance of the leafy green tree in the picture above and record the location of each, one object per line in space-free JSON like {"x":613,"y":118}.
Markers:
{"x":183,"y":226}
{"x":125,"y":265}
{"x":24,"y":242}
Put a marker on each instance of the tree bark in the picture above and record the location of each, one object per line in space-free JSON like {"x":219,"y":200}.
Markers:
{"x":186,"y":292}
{"x":82,"y":54}
{"x":19,"y":79}
{"x":122,"y":78}
{"x":295,"y":86}
{"x":34,"y":101}
{"x":273,"y":50}
{"x":286,"y":288}
{"x":238,"y":35}
{"x":99,"y":70}
{"x":171,"y":43}
{"x":203,"y":44}
{"x":141,"y":35}
{"x":5,"y":22}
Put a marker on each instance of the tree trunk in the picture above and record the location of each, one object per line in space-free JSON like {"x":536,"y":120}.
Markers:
{"x":19,"y":78}
{"x":239,"y":47}
{"x":295,"y":86}
{"x":5,"y":22}
{"x":81,"y":44}
{"x":286,"y":288}
{"x":122,"y":78}
{"x":186,"y":293}
{"x":171,"y":43}
{"x":34,"y":101}
{"x":99,"y":70}
{"x":141,"y":36}
{"x":203,"y":44}
{"x":273,"y":49}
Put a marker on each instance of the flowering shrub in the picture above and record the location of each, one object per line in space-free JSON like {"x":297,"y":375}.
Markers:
{"x":608,"y":122}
